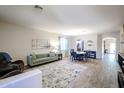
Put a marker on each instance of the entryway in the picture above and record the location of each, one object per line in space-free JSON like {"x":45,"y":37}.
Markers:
{"x":109,"y":45}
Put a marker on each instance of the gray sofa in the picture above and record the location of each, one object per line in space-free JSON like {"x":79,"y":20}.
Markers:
{"x":37,"y":59}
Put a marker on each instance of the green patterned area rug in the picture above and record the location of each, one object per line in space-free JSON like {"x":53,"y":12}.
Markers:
{"x":59,"y":74}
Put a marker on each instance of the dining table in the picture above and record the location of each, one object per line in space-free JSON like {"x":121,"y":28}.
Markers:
{"x":81,"y":55}
{"x":81,"y":52}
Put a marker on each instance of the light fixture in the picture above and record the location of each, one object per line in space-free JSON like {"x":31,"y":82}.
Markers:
{"x":37,"y":6}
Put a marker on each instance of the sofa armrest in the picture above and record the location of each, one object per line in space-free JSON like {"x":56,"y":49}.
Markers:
{"x":29,"y":60}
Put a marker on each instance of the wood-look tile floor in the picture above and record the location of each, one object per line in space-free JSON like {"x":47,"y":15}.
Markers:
{"x":100,"y":74}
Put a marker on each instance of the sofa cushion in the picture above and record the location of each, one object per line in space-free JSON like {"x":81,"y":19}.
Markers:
{"x":43,"y":59}
{"x":46,"y":59}
{"x":41,"y":55}
{"x":52,"y":54}
{"x":54,"y":58}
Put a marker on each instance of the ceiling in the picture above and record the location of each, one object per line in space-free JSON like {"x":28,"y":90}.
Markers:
{"x":65,"y":20}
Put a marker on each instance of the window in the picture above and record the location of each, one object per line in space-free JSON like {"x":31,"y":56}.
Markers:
{"x":63,"y":43}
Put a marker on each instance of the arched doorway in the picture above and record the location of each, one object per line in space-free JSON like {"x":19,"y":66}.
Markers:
{"x":109,"y":45}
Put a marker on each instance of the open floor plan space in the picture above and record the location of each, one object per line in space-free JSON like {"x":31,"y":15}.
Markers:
{"x":61,"y":46}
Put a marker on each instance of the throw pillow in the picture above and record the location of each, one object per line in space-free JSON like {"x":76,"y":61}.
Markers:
{"x":33,"y":56}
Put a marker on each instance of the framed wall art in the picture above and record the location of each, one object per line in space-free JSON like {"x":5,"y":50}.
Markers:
{"x":40,"y":43}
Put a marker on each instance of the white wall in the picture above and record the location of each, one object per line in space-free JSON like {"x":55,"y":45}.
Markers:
{"x":85,"y":38}
{"x":16,"y":40}
{"x":122,"y":39}
{"x":99,"y":46}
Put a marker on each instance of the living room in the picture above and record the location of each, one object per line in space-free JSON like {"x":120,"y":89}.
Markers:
{"x":32,"y":30}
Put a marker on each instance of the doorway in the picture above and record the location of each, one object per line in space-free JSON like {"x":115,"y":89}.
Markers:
{"x":109,"y":46}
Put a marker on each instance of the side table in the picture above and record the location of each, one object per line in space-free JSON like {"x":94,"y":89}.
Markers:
{"x":59,"y":56}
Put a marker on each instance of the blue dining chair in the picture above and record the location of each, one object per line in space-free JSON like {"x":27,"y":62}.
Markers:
{"x":93,"y":54}
{"x":87,"y":55}
{"x":74,"y":56}
{"x":71,"y":51}
{"x":90,"y":55}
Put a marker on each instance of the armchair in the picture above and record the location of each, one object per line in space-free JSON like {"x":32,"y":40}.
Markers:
{"x":8,"y":68}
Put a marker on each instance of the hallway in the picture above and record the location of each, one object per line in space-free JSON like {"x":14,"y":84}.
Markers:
{"x":100,"y":74}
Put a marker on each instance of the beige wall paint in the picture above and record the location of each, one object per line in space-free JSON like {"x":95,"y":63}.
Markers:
{"x":99,"y":46}
{"x":16,"y":40}
{"x":97,"y":39}
{"x":85,"y":38}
